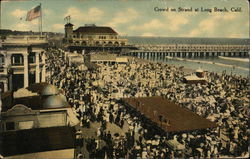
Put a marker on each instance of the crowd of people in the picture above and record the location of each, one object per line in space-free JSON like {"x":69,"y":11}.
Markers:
{"x":95,"y":95}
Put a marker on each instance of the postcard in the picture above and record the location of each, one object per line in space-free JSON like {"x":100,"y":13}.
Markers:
{"x":131,"y":79}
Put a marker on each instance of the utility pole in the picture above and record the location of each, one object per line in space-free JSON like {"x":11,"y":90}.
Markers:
{"x":0,"y":14}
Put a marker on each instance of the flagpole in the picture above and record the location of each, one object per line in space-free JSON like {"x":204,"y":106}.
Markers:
{"x":0,"y":14}
{"x":41,"y":20}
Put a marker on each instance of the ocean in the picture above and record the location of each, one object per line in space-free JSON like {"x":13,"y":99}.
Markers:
{"x":212,"y":64}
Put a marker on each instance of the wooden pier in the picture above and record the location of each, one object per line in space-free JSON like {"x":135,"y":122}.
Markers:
{"x":143,"y":54}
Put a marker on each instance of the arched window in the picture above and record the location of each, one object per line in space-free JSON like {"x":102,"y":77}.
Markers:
{"x":84,"y":43}
{"x":77,"y":42}
{"x":116,"y":43}
{"x":97,"y":43}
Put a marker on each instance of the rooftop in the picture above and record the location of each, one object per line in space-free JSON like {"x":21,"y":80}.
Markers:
{"x":96,"y":30}
{"x":24,"y":40}
{"x":47,"y":97}
{"x":69,"y":24}
{"x":103,"y":57}
{"x":180,"y":119}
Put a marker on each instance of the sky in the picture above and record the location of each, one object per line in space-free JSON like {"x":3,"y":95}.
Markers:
{"x":136,"y":17}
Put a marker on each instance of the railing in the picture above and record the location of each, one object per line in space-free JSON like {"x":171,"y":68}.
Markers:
{"x":157,"y":48}
{"x":25,"y":40}
{"x":17,"y":64}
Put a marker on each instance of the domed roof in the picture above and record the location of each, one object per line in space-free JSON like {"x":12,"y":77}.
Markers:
{"x":55,"y":101}
{"x":49,"y":90}
{"x":199,"y":70}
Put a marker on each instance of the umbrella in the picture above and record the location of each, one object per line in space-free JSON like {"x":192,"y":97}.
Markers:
{"x":191,"y":136}
{"x":137,"y":147}
{"x":148,"y":141}
{"x":184,"y":135}
{"x":157,"y":137}
{"x":209,"y":138}
{"x":202,"y":144}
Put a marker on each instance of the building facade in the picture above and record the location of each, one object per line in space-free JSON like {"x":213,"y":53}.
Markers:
{"x":37,"y":119}
{"x":22,"y":61}
{"x":92,"y":35}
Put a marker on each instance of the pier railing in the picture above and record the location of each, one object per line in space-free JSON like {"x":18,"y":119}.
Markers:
{"x":191,"y":51}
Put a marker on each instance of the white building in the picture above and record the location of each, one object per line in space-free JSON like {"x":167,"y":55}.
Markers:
{"x":92,"y":35}
{"x":22,"y":61}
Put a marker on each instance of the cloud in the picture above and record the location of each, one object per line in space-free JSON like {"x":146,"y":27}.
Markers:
{"x":229,"y":16}
{"x":18,"y":13}
{"x":150,"y":25}
{"x":26,"y":25}
{"x":57,"y":27}
{"x":34,"y":22}
{"x":148,"y":34}
{"x":194,"y":33}
{"x":210,"y":25}
{"x":95,"y":12}
{"x":176,"y":20}
{"x":74,"y":13}
{"x":170,"y":22}
{"x":123,"y":17}
{"x":23,"y":26}
{"x":91,"y":15}
{"x":47,"y":12}
{"x":235,"y":35}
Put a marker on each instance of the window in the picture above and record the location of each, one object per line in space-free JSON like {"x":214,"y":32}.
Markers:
{"x":32,"y":57}
{"x":25,"y":124}
{"x":17,"y":59}
{"x":1,"y":60}
{"x":2,"y":86}
{"x":1,"y":63}
{"x":52,"y":119}
{"x":10,"y":126}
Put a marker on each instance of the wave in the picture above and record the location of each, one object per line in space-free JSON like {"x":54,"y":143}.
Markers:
{"x":235,"y":59}
{"x":208,"y":62}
